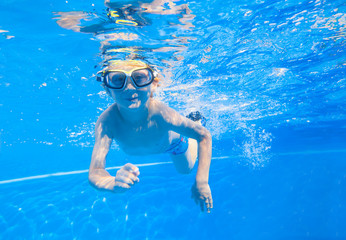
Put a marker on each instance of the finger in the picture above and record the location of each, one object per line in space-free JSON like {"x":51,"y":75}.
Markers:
{"x":208,"y":205}
{"x":124,"y":179}
{"x":132,"y":176}
{"x":195,"y":199}
{"x":201,"y":203}
{"x":127,"y":174}
{"x":193,"y":192}
{"x":211,"y":203}
{"x":131,"y":168}
{"x":122,"y":185}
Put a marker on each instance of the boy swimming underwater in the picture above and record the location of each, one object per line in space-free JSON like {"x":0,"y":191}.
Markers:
{"x":142,"y":125}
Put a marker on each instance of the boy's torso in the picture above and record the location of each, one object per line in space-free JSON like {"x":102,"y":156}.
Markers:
{"x":150,"y":137}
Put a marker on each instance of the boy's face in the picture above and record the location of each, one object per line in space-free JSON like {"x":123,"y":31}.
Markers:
{"x":130,"y":96}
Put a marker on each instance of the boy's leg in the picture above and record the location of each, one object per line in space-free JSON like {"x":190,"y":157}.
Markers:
{"x":185,"y":162}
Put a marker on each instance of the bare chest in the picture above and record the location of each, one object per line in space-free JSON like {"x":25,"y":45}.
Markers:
{"x":142,"y":140}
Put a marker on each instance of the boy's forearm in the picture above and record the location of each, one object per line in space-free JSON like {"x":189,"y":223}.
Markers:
{"x":204,"y":159}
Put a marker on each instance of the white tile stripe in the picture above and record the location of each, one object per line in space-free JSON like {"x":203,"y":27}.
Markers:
{"x":152,"y":164}
{"x":72,"y":173}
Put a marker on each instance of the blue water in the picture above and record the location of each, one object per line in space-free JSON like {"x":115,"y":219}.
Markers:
{"x":268,"y":75}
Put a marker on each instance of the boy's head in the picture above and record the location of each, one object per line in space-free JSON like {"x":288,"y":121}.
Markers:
{"x":122,"y":75}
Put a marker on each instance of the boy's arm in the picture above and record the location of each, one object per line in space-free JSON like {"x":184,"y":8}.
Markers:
{"x":98,"y":176}
{"x":188,"y":128}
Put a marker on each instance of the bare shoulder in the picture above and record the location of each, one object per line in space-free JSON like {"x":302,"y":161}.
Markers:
{"x":105,"y":122}
{"x":165,"y":114}
{"x":108,"y":114}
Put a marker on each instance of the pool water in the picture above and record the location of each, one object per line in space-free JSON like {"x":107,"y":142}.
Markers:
{"x":268,"y":75}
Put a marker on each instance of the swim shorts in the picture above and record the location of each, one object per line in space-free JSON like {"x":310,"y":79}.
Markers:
{"x":179,"y":146}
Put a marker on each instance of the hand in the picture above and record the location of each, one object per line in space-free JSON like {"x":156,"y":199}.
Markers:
{"x":126,"y":177}
{"x":200,"y":192}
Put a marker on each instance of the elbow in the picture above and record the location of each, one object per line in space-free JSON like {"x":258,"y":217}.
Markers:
{"x":206,"y":137}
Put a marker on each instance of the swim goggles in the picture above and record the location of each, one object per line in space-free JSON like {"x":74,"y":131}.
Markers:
{"x":117,"y":79}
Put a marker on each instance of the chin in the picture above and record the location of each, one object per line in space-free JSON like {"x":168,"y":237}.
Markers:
{"x":134,"y":105}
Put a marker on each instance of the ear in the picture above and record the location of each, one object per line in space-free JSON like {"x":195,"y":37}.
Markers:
{"x":154,"y":85}
{"x":153,"y":88}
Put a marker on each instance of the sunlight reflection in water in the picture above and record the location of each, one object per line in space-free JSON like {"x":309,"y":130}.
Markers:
{"x":240,"y":65}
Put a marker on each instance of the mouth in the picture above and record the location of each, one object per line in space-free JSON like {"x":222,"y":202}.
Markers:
{"x":132,"y":99}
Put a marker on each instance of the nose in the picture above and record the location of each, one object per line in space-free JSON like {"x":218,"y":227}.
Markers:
{"x":129,"y":84}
